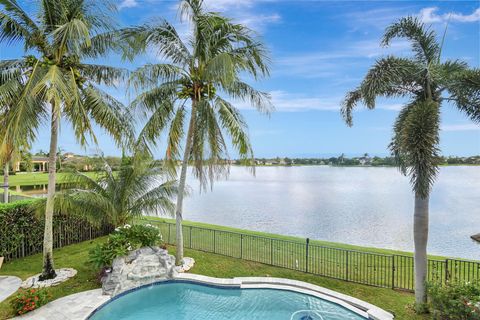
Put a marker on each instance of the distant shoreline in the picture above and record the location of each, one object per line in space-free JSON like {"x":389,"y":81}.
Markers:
{"x":347,"y":166}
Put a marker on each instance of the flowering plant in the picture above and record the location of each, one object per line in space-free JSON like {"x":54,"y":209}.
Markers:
{"x":123,"y":240}
{"x":455,"y":300}
{"x":27,"y":300}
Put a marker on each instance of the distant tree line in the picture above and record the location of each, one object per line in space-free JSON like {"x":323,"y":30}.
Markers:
{"x":364,"y":160}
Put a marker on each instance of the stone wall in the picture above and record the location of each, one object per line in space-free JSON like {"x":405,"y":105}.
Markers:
{"x":140,"y":267}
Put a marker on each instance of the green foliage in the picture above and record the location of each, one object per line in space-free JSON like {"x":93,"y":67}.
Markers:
{"x":103,"y":255}
{"x":139,"y":186}
{"x":27,"y":300}
{"x":20,"y":227}
{"x":455,"y":301}
{"x":143,"y":235}
{"x":52,"y":76}
{"x":199,"y":72}
{"x":427,"y":81}
{"x":123,"y":240}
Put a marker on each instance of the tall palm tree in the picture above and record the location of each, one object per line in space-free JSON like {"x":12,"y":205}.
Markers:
{"x":60,"y":35}
{"x":139,"y":186}
{"x":199,"y":72}
{"x":428,"y":82}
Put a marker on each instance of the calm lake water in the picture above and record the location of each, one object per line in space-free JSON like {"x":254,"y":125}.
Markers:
{"x":355,"y":205}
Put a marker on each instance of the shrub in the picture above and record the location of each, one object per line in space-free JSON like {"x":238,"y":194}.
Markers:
{"x":28,"y":300}
{"x":21,"y":230}
{"x":142,"y":235}
{"x":455,"y":301}
{"x":123,"y":240}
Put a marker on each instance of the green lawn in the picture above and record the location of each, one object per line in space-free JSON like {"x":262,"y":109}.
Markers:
{"x":30,"y":179}
{"x":209,"y":264}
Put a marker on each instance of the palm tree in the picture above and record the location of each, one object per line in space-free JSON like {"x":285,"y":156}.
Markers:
{"x":199,"y":71}
{"x":138,"y":187}
{"x":428,"y":82}
{"x":60,"y":35}
{"x":11,"y":151}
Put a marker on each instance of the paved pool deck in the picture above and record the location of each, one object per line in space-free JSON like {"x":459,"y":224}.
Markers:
{"x":8,"y":286}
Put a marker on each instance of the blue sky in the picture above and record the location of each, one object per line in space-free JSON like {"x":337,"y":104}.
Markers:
{"x":319,"y":50}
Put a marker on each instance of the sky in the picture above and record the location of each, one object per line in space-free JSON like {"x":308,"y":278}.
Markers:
{"x":320,"y":50}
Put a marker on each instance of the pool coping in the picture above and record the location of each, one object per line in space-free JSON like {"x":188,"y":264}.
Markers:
{"x":361,"y":307}
{"x":355,"y":305}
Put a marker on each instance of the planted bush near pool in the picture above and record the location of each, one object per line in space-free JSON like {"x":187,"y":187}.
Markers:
{"x":455,"y":300}
{"x":123,"y":240}
{"x":21,"y":231}
{"x":28,"y":300}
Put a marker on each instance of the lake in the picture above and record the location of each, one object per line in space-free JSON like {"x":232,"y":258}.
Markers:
{"x":357,"y":205}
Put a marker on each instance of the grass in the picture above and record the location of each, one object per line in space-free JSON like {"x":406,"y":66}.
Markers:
{"x":30,"y":179}
{"x":76,"y":256}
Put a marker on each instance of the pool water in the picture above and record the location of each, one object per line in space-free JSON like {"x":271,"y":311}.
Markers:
{"x":188,"y":301}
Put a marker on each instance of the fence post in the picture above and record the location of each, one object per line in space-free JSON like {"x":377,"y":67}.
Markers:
{"x":446,"y":271}
{"x":346,"y":266}
{"x":241,"y":246}
{"x":214,"y":241}
{"x":393,"y":272}
{"x":169,"y":225}
{"x":306,"y":254}
{"x":190,"y":237}
{"x":271,"y":252}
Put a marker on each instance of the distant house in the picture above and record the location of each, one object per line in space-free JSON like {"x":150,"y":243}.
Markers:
{"x":39,"y":164}
{"x":69,"y":155}
{"x":365,"y":160}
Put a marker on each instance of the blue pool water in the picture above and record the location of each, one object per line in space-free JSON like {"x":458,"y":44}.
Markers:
{"x":187,"y":301}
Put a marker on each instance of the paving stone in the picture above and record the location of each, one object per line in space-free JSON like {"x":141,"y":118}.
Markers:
{"x":8,"y":286}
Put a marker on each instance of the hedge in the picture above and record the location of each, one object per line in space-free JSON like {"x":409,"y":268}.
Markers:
{"x":21,"y":231}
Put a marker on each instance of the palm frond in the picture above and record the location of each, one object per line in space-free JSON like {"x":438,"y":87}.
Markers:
{"x":423,"y":40}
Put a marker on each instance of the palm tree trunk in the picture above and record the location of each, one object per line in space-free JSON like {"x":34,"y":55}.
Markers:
{"x":5,"y":183}
{"x":181,"y":188}
{"x":420,"y":234}
{"x":48,"y":269}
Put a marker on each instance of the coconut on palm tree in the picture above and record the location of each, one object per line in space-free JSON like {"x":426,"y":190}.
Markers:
{"x":58,"y":37}
{"x":189,"y":92}
{"x":430,"y":83}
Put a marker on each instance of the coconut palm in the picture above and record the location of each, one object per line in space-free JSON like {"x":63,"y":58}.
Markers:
{"x":59,"y":36}
{"x":429,"y":82}
{"x":139,"y":186}
{"x":199,"y":71}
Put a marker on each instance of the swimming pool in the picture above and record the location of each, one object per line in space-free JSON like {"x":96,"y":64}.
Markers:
{"x":182,"y":300}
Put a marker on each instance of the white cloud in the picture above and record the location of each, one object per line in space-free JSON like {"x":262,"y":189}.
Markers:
{"x":291,"y":102}
{"x":127,"y":4}
{"x":242,"y":11}
{"x":222,"y":5}
{"x":475,"y":16}
{"x":258,"y":22}
{"x":461,"y":127}
{"x":327,"y":63}
{"x":429,"y":15}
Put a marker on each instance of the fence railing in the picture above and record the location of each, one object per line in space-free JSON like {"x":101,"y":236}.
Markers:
{"x":13,"y":197}
{"x":374,"y":269}
{"x":64,"y":234}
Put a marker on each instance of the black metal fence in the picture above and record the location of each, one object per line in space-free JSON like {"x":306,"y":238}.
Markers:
{"x":374,"y":269}
{"x":64,"y":234}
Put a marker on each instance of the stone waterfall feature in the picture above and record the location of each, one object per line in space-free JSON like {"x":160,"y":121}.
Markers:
{"x":142,"y":266}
